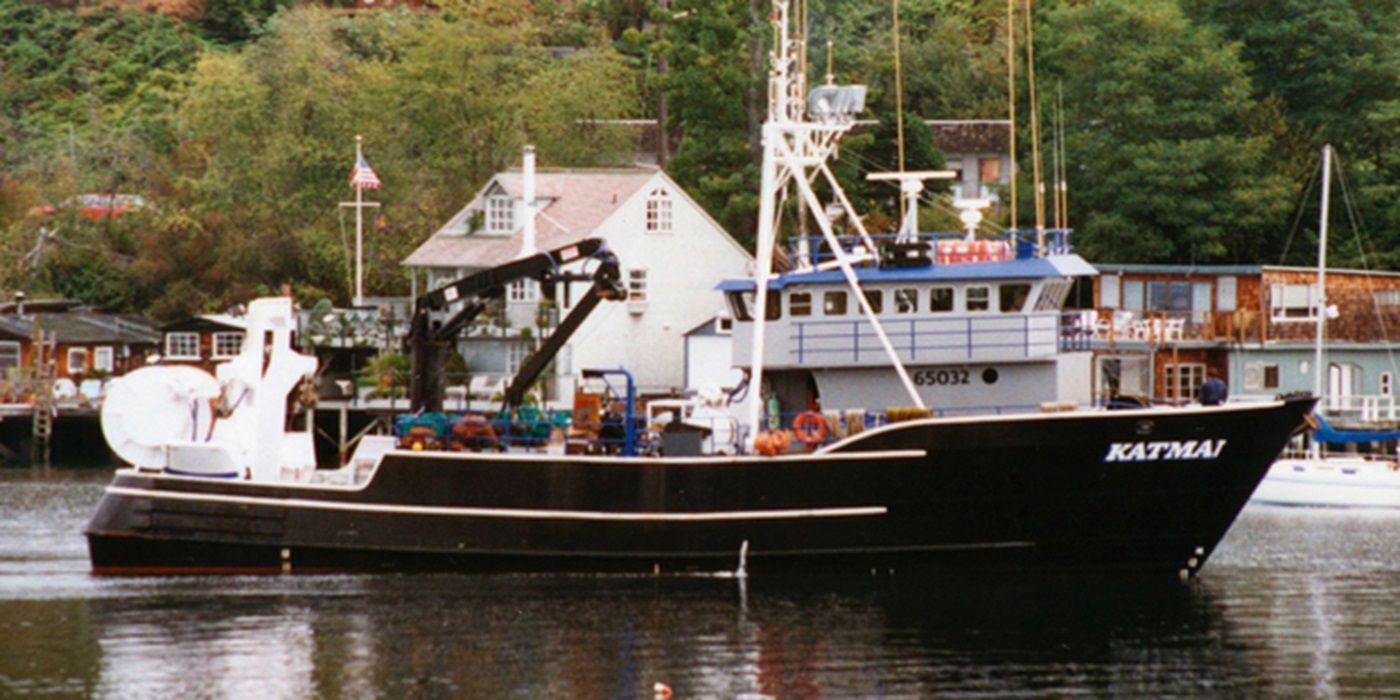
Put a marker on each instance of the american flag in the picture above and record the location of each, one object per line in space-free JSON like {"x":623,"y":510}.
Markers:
{"x":362,"y":176}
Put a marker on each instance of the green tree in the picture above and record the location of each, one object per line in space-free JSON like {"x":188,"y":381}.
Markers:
{"x":1168,"y":151}
{"x":714,"y":95}
{"x":1333,"y":68}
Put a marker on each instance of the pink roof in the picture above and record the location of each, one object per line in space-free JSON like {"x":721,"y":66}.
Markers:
{"x":573,"y":203}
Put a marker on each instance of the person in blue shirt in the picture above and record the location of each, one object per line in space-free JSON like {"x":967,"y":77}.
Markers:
{"x":1213,"y":390}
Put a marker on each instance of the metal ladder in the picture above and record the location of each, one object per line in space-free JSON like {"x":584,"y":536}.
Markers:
{"x":45,"y":406}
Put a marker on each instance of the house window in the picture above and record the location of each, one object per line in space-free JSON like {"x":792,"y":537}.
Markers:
{"x":182,"y":346}
{"x":636,"y":290}
{"x":1109,"y":291}
{"x":500,"y":214}
{"x":1225,"y":294}
{"x":659,"y":211}
{"x":1168,"y":296}
{"x":9,"y":354}
{"x":1259,"y":376}
{"x":227,"y":345}
{"x":1387,"y":297}
{"x":103,"y":359}
{"x":1132,"y":295}
{"x":1012,"y":297}
{"x":515,"y":355}
{"x":724,"y":326}
{"x":940,"y":299}
{"x":77,"y":360}
{"x":1292,"y":302}
{"x":1387,"y":384}
{"x":834,"y":304}
{"x":979,"y":298}
{"x":528,"y":290}
{"x":990,"y":170}
{"x":800,"y":304}
{"x":906,"y":301}
{"x":1183,"y":380}
{"x":876,"y":299}
{"x":637,"y":285}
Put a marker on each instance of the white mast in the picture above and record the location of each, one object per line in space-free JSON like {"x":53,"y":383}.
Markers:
{"x":795,"y":150}
{"x":1321,"y":308}
{"x":359,"y":229}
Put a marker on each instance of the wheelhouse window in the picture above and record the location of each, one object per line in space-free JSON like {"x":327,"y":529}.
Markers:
{"x":659,"y":211}
{"x":227,"y":345}
{"x":876,"y":299}
{"x":940,"y":299}
{"x":834,"y":304}
{"x":800,"y":304}
{"x":979,"y":298}
{"x":906,"y":301}
{"x":500,"y":214}
{"x":182,"y":346}
{"x":740,"y":305}
{"x":1053,"y":293}
{"x":1012,"y":297}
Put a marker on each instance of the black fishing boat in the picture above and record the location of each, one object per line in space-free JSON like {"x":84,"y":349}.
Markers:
{"x":218,"y":482}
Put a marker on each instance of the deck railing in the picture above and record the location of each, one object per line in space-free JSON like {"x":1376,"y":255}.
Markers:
{"x":989,"y":337}
{"x":1022,"y":243}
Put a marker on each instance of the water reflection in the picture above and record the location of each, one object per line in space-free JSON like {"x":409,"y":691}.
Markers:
{"x":1296,"y":603}
{"x":612,"y":637}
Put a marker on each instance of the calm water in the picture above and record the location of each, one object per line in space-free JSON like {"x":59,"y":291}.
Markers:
{"x":1296,"y":603}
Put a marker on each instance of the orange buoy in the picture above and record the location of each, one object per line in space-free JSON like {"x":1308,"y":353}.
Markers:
{"x":809,"y":428}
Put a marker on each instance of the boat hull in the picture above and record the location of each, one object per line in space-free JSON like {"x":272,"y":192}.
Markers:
{"x":1151,"y":491}
{"x":1331,"y":482}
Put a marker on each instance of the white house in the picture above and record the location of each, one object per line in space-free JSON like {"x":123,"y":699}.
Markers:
{"x":671,"y":252}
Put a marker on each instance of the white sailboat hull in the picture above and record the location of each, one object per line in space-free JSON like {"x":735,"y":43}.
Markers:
{"x":1331,"y":482}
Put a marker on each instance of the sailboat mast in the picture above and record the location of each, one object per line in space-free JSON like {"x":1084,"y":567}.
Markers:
{"x":1321,"y":371}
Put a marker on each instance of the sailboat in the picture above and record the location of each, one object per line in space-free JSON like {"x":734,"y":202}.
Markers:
{"x":1319,"y":479}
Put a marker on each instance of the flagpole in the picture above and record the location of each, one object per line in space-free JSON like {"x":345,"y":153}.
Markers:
{"x":359,"y":230}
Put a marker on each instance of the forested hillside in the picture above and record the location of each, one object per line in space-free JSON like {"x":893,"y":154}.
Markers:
{"x":1191,"y":126}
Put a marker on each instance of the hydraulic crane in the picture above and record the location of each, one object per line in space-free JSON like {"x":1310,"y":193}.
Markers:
{"x":430,"y":337}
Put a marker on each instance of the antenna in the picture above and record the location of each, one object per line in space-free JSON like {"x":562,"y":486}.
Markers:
{"x":911,"y":183}
{"x":1011,"y":99}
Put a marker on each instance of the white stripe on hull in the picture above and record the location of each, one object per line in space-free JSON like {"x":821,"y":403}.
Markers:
{"x":513,"y":513}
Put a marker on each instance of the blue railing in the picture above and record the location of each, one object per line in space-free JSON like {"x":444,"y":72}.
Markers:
{"x":929,"y":339}
{"x":1058,"y":241}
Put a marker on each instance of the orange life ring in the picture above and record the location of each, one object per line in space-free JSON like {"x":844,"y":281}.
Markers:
{"x":809,"y":427}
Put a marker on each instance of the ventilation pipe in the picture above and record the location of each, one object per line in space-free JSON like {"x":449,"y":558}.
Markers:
{"x":527,"y":247}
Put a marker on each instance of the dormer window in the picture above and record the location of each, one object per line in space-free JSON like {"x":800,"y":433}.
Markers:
{"x":659,"y":211}
{"x":500,"y":214}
